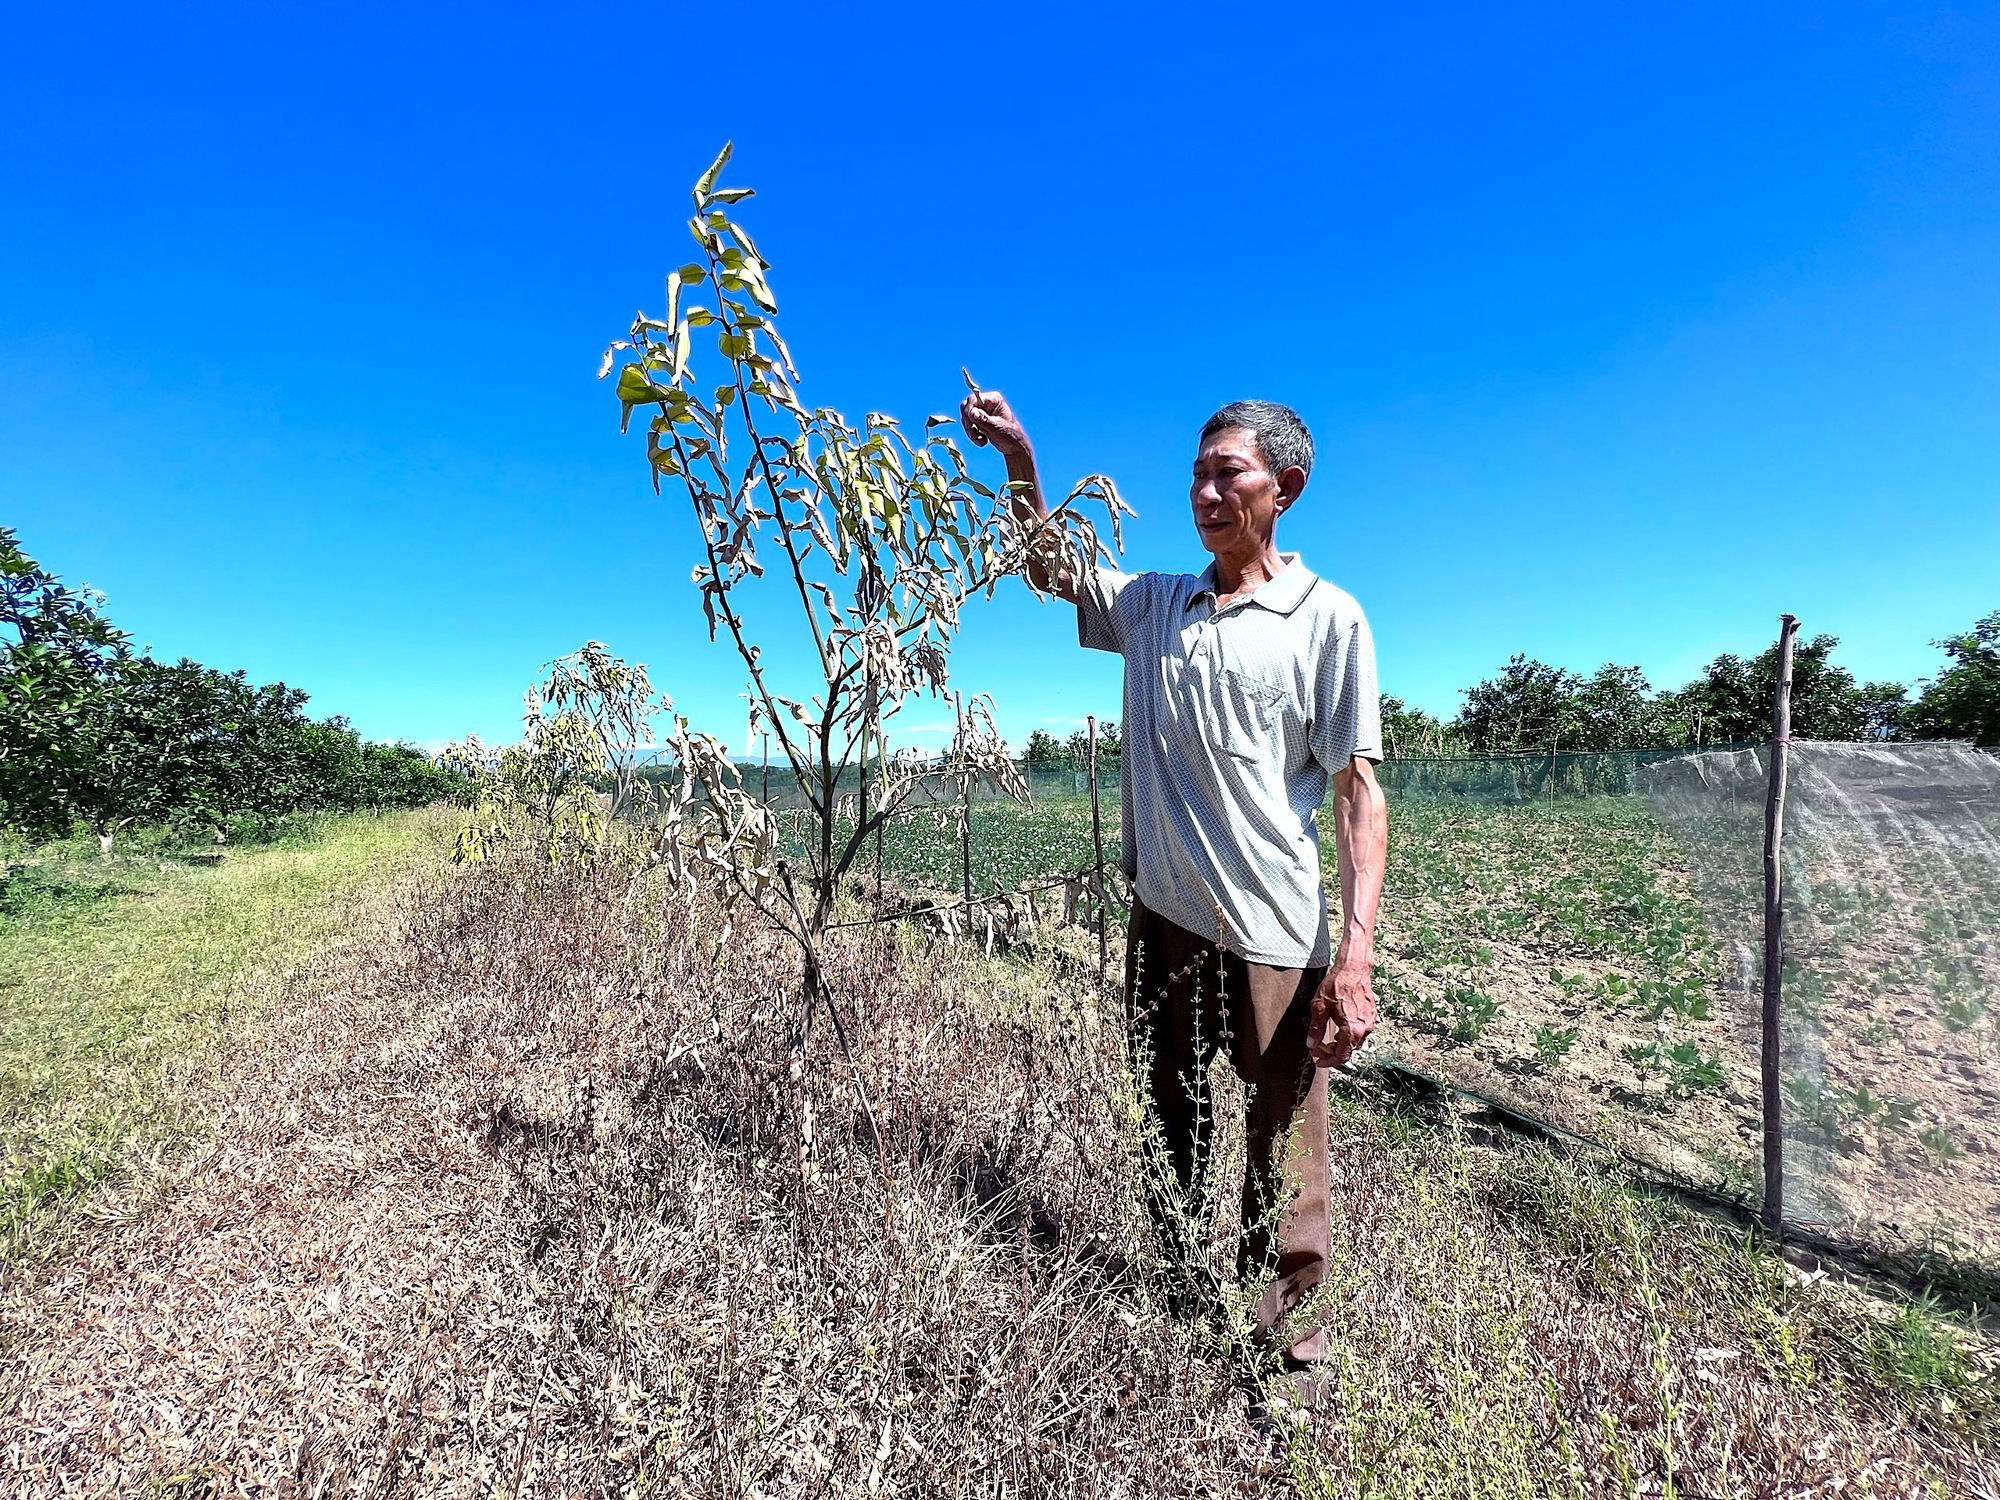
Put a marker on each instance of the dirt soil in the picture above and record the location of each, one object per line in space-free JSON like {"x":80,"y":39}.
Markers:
{"x":1892,"y":1013}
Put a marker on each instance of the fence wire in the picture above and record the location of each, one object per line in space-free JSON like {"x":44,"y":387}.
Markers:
{"x":1577,"y":937}
{"x":1012,"y":842}
{"x":1891,"y":993}
{"x":1542,"y":945}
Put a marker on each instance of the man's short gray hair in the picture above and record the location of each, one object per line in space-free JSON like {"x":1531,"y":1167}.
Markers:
{"x":1281,"y":434}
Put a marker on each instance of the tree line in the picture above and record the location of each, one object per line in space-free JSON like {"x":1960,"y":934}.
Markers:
{"x":1044,"y":749}
{"x":1534,"y":707}
{"x":94,"y":735}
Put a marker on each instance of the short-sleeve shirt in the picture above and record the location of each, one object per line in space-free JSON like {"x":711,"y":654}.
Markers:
{"x":1234,"y":720}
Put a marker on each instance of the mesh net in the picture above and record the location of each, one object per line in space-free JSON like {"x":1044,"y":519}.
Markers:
{"x":1013,"y":843}
{"x":1891,"y":1058}
{"x":1542,"y":945}
{"x":1521,"y":778}
{"x":1578,"y":937}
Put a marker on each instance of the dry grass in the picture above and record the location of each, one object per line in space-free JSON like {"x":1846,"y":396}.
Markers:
{"x":536,"y":1199}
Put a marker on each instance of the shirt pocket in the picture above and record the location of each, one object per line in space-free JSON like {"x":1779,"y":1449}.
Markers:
{"x":1249,"y":715}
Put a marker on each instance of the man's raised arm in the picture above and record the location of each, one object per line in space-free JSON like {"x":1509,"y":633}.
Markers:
{"x":987,"y":418}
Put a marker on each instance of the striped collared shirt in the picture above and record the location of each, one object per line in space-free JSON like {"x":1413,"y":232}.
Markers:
{"x":1234,"y":720}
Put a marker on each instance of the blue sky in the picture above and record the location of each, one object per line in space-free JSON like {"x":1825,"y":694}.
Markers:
{"x":1621,"y":329}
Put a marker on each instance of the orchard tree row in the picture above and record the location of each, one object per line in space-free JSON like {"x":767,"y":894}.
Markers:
{"x":94,"y":735}
{"x":1532,"y":706}
{"x":1044,"y":749}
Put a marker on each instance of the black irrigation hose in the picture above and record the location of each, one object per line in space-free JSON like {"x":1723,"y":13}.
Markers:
{"x":1968,"y":1291}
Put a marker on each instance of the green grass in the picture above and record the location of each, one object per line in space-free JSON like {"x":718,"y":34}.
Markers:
{"x":1520,"y":1323}
{"x":110,"y":969}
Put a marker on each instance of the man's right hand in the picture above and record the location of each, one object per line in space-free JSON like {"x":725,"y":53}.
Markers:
{"x":987,"y":418}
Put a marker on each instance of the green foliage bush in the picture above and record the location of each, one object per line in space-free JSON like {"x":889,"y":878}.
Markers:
{"x":1963,"y":701}
{"x":1044,"y":749}
{"x":1532,"y":707}
{"x":94,"y":735}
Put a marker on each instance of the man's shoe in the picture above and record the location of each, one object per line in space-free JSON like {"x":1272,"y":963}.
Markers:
{"x":1307,"y":1352}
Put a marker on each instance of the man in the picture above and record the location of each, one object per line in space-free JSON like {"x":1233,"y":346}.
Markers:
{"x":1247,"y":688}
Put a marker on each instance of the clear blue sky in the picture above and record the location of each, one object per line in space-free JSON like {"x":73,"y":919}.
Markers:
{"x":1621,"y":329}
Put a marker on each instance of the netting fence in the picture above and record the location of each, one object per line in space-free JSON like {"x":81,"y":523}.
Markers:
{"x":1889,"y":1027}
{"x":1005,"y":841}
{"x":1577,"y":939}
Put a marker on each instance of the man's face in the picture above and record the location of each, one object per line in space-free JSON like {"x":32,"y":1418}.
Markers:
{"x":1236,"y":499}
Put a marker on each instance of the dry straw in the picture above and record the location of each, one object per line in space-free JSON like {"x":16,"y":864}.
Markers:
{"x":533,"y":1196}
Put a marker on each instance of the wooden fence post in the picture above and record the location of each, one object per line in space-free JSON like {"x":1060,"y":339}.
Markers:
{"x":1097,"y":845}
{"x":1774,"y":935}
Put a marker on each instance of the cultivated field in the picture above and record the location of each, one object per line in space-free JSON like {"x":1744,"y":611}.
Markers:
{"x":1552,"y":956}
{"x":1555,"y":957}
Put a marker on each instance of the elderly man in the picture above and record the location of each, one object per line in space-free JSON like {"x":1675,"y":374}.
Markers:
{"x":1247,"y":687}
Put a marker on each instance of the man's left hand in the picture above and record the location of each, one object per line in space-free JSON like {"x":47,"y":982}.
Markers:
{"x":1343,"y":1011}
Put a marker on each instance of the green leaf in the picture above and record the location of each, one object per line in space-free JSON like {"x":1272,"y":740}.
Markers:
{"x":693,"y":274}
{"x":733,"y":195}
{"x":742,"y":237}
{"x":759,"y":289}
{"x":706,"y":184}
{"x":634,"y":387}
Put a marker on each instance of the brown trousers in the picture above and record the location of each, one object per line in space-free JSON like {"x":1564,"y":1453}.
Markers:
{"x":1188,"y":999}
